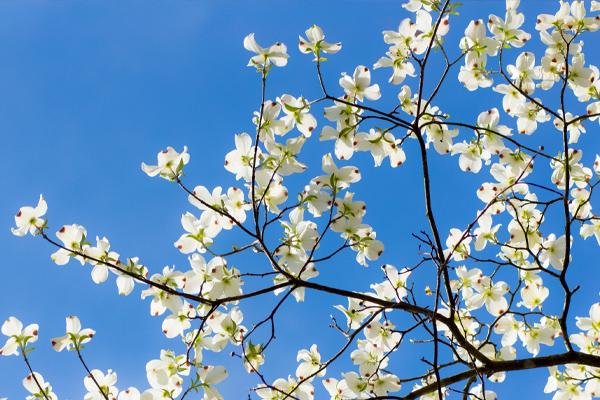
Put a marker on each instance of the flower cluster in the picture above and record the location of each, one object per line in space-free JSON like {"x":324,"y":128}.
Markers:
{"x":493,"y":275}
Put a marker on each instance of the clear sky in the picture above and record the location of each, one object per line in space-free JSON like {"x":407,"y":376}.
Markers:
{"x":90,"y":89}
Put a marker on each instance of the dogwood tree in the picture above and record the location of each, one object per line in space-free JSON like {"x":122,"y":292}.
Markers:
{"x":477,"y":299}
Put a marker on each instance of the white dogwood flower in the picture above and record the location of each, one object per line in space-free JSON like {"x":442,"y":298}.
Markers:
{"x":170,"y":164}
{"x":38,"y":388}
{"x":29,"y":219}
{"x":275,"y":54}
{"x":106,"y":381}
{"x":359,"y":84}
{"x":18,"y":337}
{"x":74,"y":337}
{"x":315,"y":43}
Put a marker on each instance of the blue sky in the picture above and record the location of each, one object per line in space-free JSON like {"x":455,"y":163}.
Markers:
{"x":90,"y":89}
